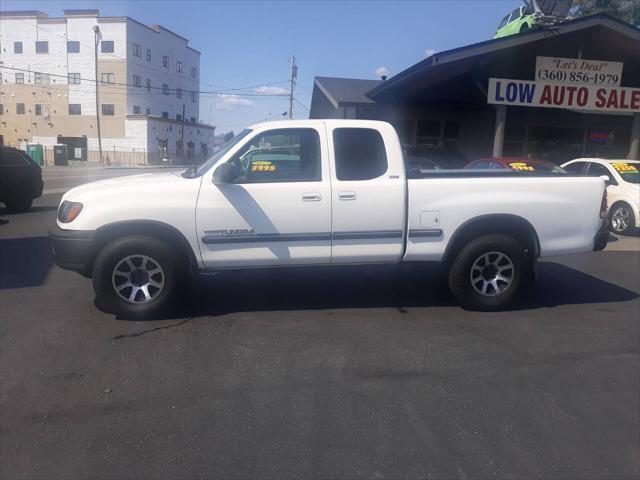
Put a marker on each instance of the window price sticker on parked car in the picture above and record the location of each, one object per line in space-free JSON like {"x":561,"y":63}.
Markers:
{"x":578,"y":71}
{"x":624,"y":167}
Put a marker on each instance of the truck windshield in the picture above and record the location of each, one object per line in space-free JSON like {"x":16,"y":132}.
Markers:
{"x":207,"y":164}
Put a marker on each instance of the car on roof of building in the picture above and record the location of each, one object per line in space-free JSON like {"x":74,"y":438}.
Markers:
{"x":516,"y":163}
{"x":623,"y":188}
{"x":533,"y":14}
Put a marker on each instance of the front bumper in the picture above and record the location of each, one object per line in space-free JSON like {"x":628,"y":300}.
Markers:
{"x":602,"y":237}
{"x":73,"y":249}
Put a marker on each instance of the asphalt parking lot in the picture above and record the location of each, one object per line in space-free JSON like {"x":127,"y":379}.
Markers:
{"x":325,"y":373}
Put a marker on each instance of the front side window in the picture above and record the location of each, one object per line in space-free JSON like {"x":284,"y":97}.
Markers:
{"x":283,"y":155}
{"x":75,"y":109}
{"x":42,"y":47}
{"x":597,"y":170}
{"x":576,"y":168}
{"x":108,"y":109}
{"x":108,"y":78}
{"x":20,"y":108}
{"x":106,"y":46}
{"x":73,"y":46}
{"x":17,"y":47}
{"x":74,"y":78}
{"x":136,"y":50}
{"x":20,"y":78}
{"x":359,"y":154}
{"x":504,"y":21}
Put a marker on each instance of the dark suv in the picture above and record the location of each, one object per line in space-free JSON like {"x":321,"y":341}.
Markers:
{"x":20,"y":180}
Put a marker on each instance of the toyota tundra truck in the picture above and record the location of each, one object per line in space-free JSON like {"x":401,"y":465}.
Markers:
{"x":320,"y":192}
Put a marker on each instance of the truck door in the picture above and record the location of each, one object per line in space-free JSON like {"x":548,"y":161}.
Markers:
{"x":368,"y":194}
{"x":276,"y":210}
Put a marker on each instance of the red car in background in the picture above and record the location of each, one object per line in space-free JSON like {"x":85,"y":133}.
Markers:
{"x":516,"y":163}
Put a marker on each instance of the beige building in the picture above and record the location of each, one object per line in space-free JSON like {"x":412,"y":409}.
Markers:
{"x":148,"y":79}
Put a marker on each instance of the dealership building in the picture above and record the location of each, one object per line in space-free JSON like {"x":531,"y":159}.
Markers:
{"x":558,"y":93}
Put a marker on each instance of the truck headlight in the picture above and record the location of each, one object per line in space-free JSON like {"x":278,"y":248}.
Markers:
{"x":68,"y":211}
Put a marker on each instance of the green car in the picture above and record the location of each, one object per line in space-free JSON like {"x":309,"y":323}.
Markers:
{"x":533,"y":14}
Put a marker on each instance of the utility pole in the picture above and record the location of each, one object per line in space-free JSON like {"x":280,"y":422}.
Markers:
{"x":182,"y":132}
{"x":96,"y":31}
{"x":294,"y":75}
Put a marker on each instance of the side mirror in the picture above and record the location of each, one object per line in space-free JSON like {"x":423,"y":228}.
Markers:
{"x":607,"y":179}
{"x":224,"y":174}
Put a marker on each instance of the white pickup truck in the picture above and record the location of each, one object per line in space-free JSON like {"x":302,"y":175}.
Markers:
{"x":318,"y":192}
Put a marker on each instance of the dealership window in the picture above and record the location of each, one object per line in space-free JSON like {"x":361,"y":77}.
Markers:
{"x":42,"y":47}
{"x":108,"y":78}
{"x":108,"y":109}
{"x":165,"y":61}
{"x":148,"y":54}
{"x":610,"y":142}
{"x":137,"y":110}
{"x":450,"y":134}
{"x":75,"y":109}
{"x":179,"y":66}
{"x":136,"y":50}
{"x":73,"y":46}
{"x":20,"y":108}
{"x":514,"y":140}
{"x":359,"y":154}
{"x":165,"y":89}
{"x":137,"y":81}
{"x":20,"y":78}
{"x":428,"y":133}
{"x":554,"y":143}
{"x":74,"y":78}
{"x":194,"y":72}
{"x":107,"y":46}
{"x":193,"y":97}
{"x":148,"y":84}
{"x":38,"y":108}
{"x":178,"y":93}
{"x":17,"y":47}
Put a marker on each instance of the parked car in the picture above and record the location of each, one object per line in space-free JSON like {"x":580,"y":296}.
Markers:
{"x":430,"y":157}
{"x":516,"y":163}
{"x":20,"y":180}
{"x":533,"y":14}
{"x":343,"y":199}
{"x":623,"y":188}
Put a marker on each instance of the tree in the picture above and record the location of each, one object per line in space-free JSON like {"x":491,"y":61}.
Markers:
{"x":228,"y":136}
{"x":625,"y":10}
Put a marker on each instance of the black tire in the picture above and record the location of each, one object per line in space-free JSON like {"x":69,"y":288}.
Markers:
{"x":18,"y":205}
{"x":468,"y":293}
{"x":618,"y":209}
{"x":162,"y":300}
{"x":524,"y":28}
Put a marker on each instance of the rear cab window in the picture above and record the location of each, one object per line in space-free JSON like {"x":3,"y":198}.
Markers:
{"x":359,"y":154}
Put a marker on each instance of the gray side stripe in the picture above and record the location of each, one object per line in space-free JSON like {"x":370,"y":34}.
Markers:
{"x":427,"y":232}
{"x":367,"y":234}
{"x":300,"y":237}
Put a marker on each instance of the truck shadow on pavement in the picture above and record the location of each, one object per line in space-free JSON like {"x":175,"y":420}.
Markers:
{"x":324,"y":288}
{"x":24,"y":262}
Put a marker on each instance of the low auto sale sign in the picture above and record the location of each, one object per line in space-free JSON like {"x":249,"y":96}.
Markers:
{"x":597,"y":98}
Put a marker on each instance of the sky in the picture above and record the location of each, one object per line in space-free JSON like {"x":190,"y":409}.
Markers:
{"x":250,"y":43}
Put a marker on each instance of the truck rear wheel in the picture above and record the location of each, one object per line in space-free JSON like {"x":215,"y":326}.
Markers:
{"x":138,"y":277}
{"x":488,"y":272}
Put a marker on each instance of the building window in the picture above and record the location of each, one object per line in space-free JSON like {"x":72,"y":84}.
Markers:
{"x":38,"y":108}
{"x":148,"y":54}
{"x":74,"y":78}
{"x":178,"y":93}
{"x":137,"y":110}
{"x":20,"y":108}
{"x":37,"y":78}
{"x":137,"y":81}
{"x":1,"y":109}
{"x":428,"y":133}
{"x":17,"y":47}
{"x":179,"y":148}
{"x":193,"y":120}
{"x":20,"y":78}
{"x":108,"y":78}
{"x":194,"y":72}
{"x":179,"y":66}
{"x":451,"y":131}
{"x":42,"y":47}
{"x":165,"y":89}
{"x":148,"y":111}
{"x":106,"y":46}
{"x":108,"y":109}
{"x":75,"y":109}
{"x":73,"y":46}
{"x":178,"y":117}
{"x":136,"y":50}
{"x":165,"y":61}
{"x":165,"y":114}
{"x":148,"y":84}
{"x":193,"y":97}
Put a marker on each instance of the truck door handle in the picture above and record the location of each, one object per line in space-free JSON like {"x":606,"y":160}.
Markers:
{"x":311,"y":197}
{"x":347,"y":195}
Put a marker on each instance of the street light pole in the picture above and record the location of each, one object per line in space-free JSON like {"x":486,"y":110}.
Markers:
{"x":96,"y":31}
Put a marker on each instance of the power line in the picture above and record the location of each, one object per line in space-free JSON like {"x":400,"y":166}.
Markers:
{"x":301,"y":104}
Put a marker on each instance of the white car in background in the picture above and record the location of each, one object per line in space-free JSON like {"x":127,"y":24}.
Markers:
{"x":623,"y":188}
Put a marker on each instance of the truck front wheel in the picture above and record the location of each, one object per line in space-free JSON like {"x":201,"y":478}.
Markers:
{"x":488,"y":272}
{"x":137,"y":277}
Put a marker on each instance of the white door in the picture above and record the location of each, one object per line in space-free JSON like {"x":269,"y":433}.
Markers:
{"x":368,"y":197}
{"x":276,"y":210}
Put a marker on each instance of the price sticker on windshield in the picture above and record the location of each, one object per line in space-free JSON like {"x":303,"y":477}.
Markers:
{"x":624,"y":167}
{"x":521,"y":166}
{"x":263,"y":166}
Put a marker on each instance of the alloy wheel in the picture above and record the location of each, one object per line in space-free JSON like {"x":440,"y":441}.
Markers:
{"x":620,"y":219}
{"x":138,"y":279}
{"x":492,"y":273}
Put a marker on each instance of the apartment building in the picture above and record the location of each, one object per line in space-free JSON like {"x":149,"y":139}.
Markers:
{"x":147,"y":80}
